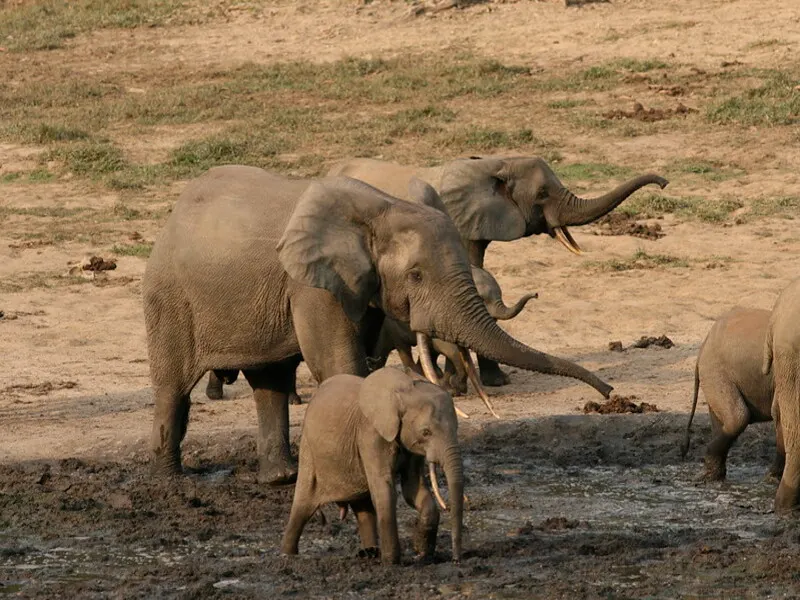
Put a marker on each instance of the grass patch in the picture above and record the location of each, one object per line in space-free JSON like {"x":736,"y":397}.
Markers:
{"x":566,"y":103}
{"x":775,"y":206}
{"x":89,"y":159}
{"x":591,"y":171}
{"x":640,"y":260}
{"x":57,"y":212}
{"x":480,"y":138}
{"x":767,"y":43}
{"x":706,"y":169}
{"x":648,"y":206}
{"x":45,"y":25}
{"x":9,"y":177}
{"x":640,"y":66}
{"x":141,"y":250}
{"x":58,"y":133}
{"x":774,"y":102}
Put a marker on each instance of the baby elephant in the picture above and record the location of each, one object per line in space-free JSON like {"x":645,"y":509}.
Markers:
{"x":358,"y":436}
{"x":729,"y":371}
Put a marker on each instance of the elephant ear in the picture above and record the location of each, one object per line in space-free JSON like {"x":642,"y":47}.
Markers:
{"x":381,"y":400}
{"x":421,"y":192}
{"x":326,"y":241}
{"x":477,"y":194}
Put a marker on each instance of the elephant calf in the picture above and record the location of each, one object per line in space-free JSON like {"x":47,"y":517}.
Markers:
{"x":358,"y":435}
{"x":728,"y":369}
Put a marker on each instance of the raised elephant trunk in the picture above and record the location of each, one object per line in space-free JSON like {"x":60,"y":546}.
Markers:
{"x":500,"y":311}
{"x":474,"y":328}
{"x":574,"y":210}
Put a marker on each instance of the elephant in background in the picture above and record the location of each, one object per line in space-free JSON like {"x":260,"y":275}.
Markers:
{"x":309,"y":268}
{"x":728,"y":370}
{"x":395,"y":335}
{"x":498,"y":199}
{"x":782,"y":361}
{"x":358,"y":436}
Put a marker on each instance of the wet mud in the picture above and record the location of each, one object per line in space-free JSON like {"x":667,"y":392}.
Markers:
{"x":579,"y":506}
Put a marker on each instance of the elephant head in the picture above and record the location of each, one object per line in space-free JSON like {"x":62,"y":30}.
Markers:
{"x":421,"y":416}
{"x":407,"y":259}
{"x":504,"y":199}
{"x":492,"y":295}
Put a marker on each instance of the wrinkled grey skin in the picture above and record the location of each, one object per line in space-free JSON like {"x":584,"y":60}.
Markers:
{"x":358,"y":436}
{"x":308,"y":268}
{"x":728,"y":370}
{"x":497,"y":199}
{"x":398,"y":336}
{"x":782,"y":360}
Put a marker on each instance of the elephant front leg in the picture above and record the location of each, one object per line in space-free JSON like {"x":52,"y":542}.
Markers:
{"x":419,"y":497}
{"x":778,"y":465}
{"x":214,"y":387}
{"x":364,"y":511}
{"x":271,"y":387}
{"x":491,"y":374}
{"x":169,"y":428}
{"x":384,"y":497}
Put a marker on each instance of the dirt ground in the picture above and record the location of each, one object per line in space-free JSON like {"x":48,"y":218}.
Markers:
{"x":562,"y":504}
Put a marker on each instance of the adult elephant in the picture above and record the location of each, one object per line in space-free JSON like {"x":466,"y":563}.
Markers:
{"x":255,"y":271}
{"x":497,"y":199}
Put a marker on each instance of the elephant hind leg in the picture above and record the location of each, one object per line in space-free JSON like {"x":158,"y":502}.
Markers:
{"x":778,"y":465}
{"x":419,"y":497}
{"x":367,"y":521}
{"x":729,"y":418}
{"x":169,"y":428}
{"x":491,"y":373}
{"x":787,"y":395}
{"x":271,"y":388}
{"x":303,"y":508}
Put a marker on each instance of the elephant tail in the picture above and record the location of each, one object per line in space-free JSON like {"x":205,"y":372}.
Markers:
{"x":766,"y":366}
{"x":686,"y":441}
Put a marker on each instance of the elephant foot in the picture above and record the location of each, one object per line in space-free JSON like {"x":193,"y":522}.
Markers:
{"x":370,"y":552}
{"x":785,"y":500}
{"x":775,"y":472}
{"x":167,"y":467}
{"x":214,"y":390}
{"x":713,"y":475}
{"x":294,"y":399}
{"x":494,"y":376}
{"x":279,"y":474}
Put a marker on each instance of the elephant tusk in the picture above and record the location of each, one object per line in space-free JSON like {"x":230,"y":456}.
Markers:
{"x":463,"y":353}
{"x":424,"y":346}
{"x":435,"y":486}
{"x":423,"y":343}
{"x":565,"y":237}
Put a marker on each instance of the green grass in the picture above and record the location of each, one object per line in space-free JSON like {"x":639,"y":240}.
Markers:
{"x":91,"y":159}
{"x":140,"y":250}
{"x":654,"y":205}
{"x":591,"y":171}
{"x":766,"y":43}
{"x":46,"y":24}
{"x":639,"y":260}
{"x":640,"y":66}
{"x":774,"y":102}
{"x":58,"y":212}
{"x":567,"y":103}
{"x":706,"y":169}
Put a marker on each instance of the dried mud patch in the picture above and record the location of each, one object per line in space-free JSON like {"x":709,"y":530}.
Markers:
{"x":608,"y":495}
{"x":619,"y":405}
{"x":649,"y":115}
{"x":618,"y":223}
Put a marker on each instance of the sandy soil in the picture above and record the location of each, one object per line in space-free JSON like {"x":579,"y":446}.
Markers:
{"x":563,"y":504}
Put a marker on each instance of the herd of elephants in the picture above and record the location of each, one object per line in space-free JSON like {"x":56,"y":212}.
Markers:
{"x":255,"y":272}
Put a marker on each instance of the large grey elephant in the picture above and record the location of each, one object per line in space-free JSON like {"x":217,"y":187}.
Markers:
{"x":497,"y":199}
{"x":254,"y":271}
{"x":728,"y":370}
{"x":782,"y":361}
{"x":358,"y":436}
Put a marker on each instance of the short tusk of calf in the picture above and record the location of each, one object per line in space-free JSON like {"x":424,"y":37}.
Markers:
{"x":473,"y":377}
{"x":435,"y":486}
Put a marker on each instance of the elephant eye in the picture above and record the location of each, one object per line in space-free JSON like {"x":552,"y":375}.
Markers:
{"x":427,"y":433}
{"x":415,"y":275}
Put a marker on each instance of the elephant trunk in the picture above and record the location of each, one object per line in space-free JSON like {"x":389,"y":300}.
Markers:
{"x":474,"y":328}
{"x":498,"y":310}
{"x":574,"y":210}
{"x":454,"y":473}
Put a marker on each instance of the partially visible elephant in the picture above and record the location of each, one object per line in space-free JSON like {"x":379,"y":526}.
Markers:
{"x":395,"y":335}
{"x":728,"y":370}
{"x":497,"y":199}
{"x":782,"y":361}
{"x":358,"y":436}
{"x":308,"y":268}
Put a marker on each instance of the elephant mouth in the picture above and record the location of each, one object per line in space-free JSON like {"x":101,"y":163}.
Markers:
{"x":563,"y":235}
{"x":424,"y":346}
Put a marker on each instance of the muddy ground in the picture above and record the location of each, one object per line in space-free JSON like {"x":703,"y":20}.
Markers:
{"x":559,"y":507}
{"x":98,"y":126}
